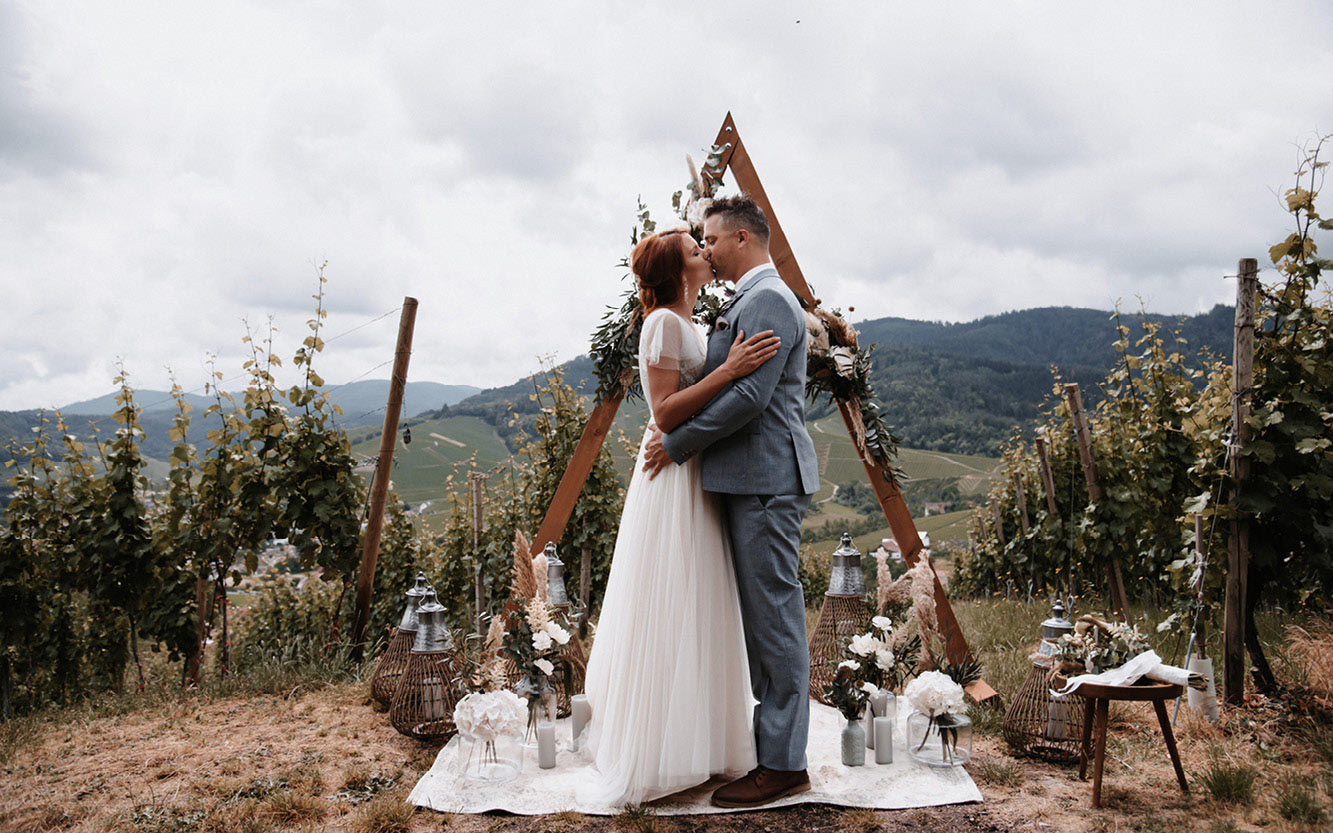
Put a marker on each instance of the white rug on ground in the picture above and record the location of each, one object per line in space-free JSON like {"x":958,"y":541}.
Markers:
{"x":903,"y":783}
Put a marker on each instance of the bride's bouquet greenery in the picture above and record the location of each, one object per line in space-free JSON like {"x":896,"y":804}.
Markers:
{"x":940,"y":699}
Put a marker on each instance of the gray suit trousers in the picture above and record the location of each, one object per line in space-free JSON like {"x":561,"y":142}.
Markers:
{"x":765,"y":535}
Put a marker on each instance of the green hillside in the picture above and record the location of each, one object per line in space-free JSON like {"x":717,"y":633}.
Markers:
{"x":420,"y":468}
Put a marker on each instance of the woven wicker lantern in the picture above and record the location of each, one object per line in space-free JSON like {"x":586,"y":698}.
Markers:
{"x":423,"y":702}
{"x":1038,"y":723}
{"x":843,"y":614}
{"x":393,"y":661}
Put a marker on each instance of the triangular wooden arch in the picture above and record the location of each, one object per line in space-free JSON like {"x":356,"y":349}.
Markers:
{"x":891,"y":501}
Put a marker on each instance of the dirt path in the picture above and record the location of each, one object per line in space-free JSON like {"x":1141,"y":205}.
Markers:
{"x":325,"y":761}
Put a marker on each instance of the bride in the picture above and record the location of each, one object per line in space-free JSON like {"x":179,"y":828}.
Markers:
{"x":667,"y":678}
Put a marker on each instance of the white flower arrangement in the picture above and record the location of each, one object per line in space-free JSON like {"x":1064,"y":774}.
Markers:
{"x":864,"y":645}
{"x":485,"y":716}
{"x":933,"y":694}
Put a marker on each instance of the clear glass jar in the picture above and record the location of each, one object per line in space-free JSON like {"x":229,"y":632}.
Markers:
{"x":944,"y":741}
{"x":500,"y":759}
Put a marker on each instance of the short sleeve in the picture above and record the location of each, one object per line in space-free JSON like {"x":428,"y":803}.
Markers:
{"x":663,"y":340}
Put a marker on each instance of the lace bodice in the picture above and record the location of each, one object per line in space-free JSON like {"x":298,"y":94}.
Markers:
{"x":671,"y":343}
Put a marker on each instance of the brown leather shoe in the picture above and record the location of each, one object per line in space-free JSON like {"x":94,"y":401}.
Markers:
{"x":760,"y":787}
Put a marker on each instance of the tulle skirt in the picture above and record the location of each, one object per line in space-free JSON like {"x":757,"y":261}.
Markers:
{"x":667,"y":678}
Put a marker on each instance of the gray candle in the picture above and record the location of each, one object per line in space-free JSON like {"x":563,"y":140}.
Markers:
{"x":580,"y":713}
{"x":876,"y":706}
{"x":546,"y":744}
{"x":883,"y":740}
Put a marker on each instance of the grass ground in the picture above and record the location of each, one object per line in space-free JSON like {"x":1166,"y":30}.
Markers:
{"x":301,"y":749}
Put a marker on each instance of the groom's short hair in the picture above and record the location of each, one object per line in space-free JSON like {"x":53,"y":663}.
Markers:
{"x":740,"y":212}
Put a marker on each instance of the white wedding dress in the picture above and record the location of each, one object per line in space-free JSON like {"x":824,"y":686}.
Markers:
{"x":667,"y":678}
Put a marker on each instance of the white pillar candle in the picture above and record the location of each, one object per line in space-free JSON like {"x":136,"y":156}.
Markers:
{"x":883,"y":740}
{"x":580,"y":713}
{"x":546,"y":744}
{"x":1057,"y":718}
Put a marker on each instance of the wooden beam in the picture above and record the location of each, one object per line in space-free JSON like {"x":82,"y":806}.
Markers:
{"x":576,"y":473}
{"x":748,"y":180}
{"x":904,"y":532}
{"x":365,"y":577}
{"x":1238,"y":545}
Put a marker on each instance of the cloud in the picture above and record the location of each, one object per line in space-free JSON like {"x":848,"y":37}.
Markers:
{"x":168,"y":173}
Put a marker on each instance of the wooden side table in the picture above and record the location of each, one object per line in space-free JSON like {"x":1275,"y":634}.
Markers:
{"x":1097,"y":700}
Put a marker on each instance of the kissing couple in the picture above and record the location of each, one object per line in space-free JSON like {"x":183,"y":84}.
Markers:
{"x":700,"y":666}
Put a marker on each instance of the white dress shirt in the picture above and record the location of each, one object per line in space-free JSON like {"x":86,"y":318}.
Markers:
{"x":749,"y":276}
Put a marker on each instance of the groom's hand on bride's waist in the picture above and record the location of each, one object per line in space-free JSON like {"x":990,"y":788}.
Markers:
{"x":655,"y":457}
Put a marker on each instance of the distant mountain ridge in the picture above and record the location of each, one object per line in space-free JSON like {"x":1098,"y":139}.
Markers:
{"x":959,"y":388}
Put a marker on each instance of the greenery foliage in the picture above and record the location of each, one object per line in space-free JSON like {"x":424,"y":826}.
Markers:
{"x":1160,"y":440}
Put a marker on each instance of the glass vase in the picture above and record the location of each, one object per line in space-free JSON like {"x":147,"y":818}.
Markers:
{"x":500,"y":759}
{"x":942,"y":741}
{"x":853,"y":743}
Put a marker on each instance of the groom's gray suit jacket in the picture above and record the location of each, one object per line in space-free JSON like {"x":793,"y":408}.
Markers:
{"x":753,"y":434}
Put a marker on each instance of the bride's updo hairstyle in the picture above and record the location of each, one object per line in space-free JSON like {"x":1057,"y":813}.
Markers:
{"x":658,"y":264}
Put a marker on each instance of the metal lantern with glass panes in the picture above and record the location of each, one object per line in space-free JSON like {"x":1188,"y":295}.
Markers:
{"x":1039,"y":723}
{"x":555,"y":578}
{"x":423,"y":703}
{"x":844,"y":614}
{"x":393,"y":661}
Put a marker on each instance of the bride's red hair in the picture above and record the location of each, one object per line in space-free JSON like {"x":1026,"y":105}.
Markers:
{"x":658,"y":263}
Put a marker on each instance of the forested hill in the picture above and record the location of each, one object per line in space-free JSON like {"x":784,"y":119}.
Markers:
{"x":957,"y":387}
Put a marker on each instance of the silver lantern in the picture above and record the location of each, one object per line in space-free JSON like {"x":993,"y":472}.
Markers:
{"x":846,"y":578}
{"x":555,"y":577}
{"x":1054,"y":628}
{"x":432,"y":632}
{"x":409,"y":620}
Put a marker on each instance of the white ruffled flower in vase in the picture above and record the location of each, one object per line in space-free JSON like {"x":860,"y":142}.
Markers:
{"x":883,"y":623}
{"x":545,"y":666}
{"x":864,"y":645}
{"x":939,"y":699}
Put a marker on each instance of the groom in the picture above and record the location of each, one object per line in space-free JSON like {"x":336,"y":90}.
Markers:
{"x":758,"y":457}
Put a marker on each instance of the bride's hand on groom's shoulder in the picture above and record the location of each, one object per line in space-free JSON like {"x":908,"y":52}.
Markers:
{"x":655,"y":457}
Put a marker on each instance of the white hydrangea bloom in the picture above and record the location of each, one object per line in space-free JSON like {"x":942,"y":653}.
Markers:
{"x":935,"y":694}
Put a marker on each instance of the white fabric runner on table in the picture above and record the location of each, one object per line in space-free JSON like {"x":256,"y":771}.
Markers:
{"x":901,"y":784}
{"x":1146,"y":664}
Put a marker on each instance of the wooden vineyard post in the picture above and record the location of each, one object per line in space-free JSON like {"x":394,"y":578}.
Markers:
{"x":478,"y":520}
{"x":1115,"y":576}
{"x":998,"y":520}
{"x":1021,"y":493}
{"x":1238,"y":544}
{"x":379,"y":489}
{"x":1201,"y":557}
{"x":734,"y":156}
{"x":1047,"y":479}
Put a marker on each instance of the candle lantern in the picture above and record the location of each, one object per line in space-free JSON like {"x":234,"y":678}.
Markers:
{"x":423,"y":703}
{"x":393,"y":661}
{"x":843,"y":614}
{"x":1039,"y":723}
{"x":555,"y":579}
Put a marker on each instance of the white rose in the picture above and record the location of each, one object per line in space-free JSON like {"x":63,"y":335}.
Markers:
{"x":541,"y":640}
{"x":557,"y":633}
{"x":850,"y":663}
{"x":884,"y":623}
{"x":545,"y":666}
{"x":863,"y":645}
{"x":884,"y":659}
{"x":870,"y":688}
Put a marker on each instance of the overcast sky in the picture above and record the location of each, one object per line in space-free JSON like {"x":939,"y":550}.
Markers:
{"x":169,"y":169}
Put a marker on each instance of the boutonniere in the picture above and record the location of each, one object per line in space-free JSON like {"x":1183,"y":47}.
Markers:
{"x":720,"y":323}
